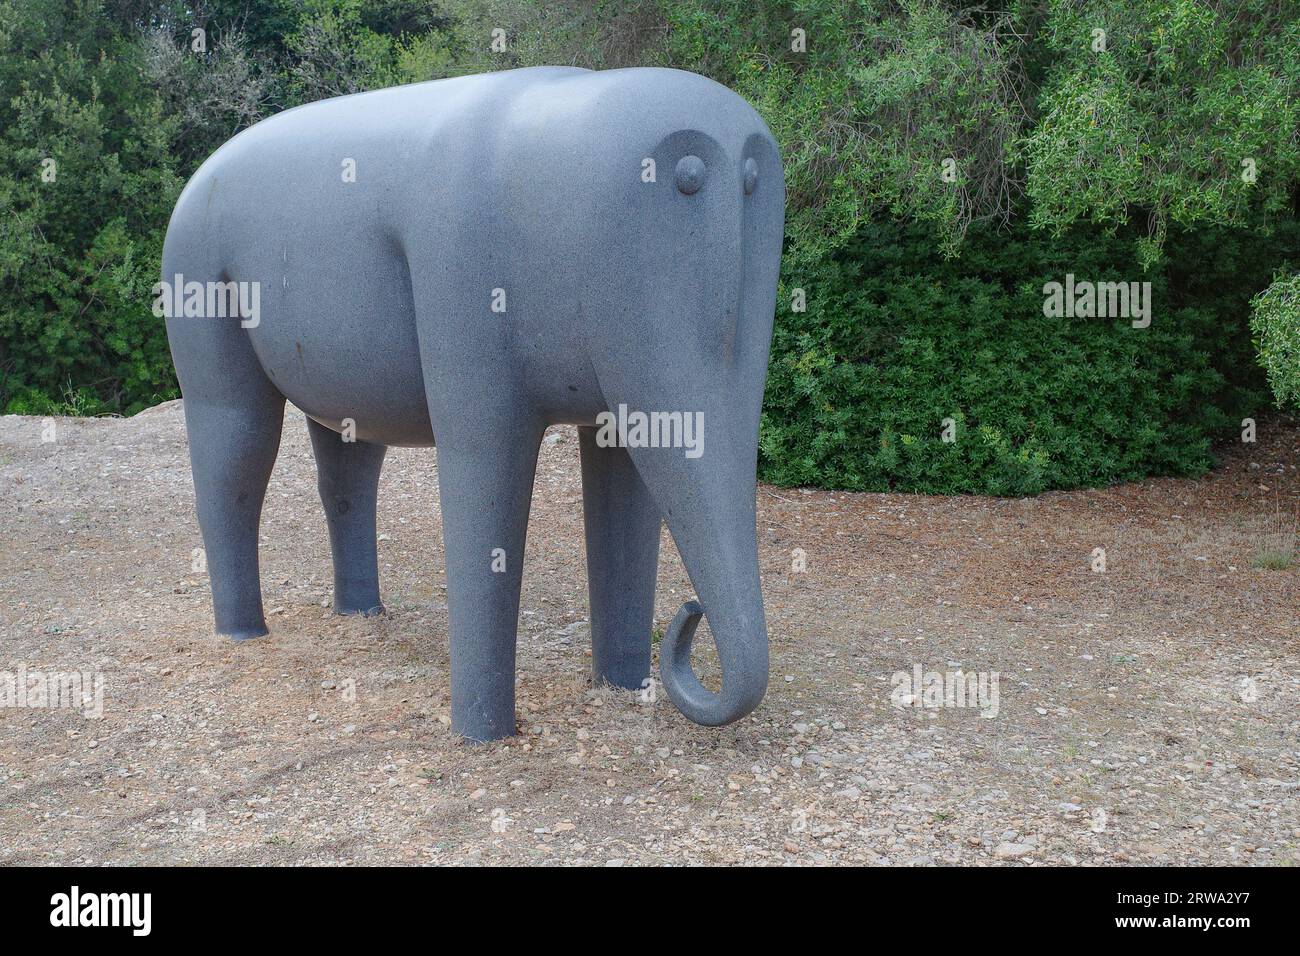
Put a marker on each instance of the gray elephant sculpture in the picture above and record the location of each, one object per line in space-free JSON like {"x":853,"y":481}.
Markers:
{"x":472,"y":260}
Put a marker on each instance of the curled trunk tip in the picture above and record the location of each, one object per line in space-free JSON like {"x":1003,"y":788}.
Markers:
{"x":744,"y":672}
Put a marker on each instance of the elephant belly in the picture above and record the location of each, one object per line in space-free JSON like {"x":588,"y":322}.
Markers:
{"x":337,"y":336}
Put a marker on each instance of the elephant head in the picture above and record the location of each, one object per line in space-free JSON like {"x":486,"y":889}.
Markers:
{"x":678,"y":304}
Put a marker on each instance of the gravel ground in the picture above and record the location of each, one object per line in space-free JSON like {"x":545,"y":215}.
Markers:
{"x":1145,"y":713}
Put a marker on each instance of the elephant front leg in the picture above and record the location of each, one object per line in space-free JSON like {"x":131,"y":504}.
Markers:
{"x":348,"y":480}
{"x":622,"y":524}
{"x":486,"y":486}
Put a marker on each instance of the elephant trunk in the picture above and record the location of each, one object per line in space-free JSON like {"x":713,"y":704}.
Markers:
{"x":723,"y":565}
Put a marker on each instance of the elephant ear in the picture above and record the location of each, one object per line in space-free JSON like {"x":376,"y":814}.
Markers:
{"x":661,"y":290}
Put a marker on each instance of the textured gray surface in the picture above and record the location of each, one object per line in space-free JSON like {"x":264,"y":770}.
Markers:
{"x":497,"y":263}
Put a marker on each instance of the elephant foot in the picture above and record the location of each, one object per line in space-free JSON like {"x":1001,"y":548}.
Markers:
{"x":485,"y":734}
{"x":241,"y":634}
{"x":244,"y":622}
{"x":362,"y":608}
{"x":635,"y":680}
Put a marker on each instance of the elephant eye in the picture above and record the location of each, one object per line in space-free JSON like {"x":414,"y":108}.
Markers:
{"x":690,"y":175}
{"x":751,"y":176}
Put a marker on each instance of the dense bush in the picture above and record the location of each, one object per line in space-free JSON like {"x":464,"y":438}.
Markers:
{"x":87,"y":181}
{"x":896,"y":339}
{"x":944,"y":159}
{"x":1275,"y":320}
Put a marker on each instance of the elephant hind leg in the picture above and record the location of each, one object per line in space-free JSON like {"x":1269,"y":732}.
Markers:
{"x":348,"y":481}
{"x":232,"y":452}
{"x":622,"y":525}
{"x":233,"y":418}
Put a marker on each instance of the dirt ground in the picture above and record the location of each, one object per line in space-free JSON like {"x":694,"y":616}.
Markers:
{"x":1145,"y":713}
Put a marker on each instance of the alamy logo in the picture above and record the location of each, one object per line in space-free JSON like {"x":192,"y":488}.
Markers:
{"x":935,"y":689}
{"x":208,"y":300}
{"x":652,"y":430}
{"x":103,"y":909}
{"x":1098,"y":300}
{"x":53,"y":690}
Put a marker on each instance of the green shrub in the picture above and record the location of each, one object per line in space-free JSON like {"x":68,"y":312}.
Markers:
{"x":896,"y":339}
{"x":87,"y":182}
{"x":1275,"y":321}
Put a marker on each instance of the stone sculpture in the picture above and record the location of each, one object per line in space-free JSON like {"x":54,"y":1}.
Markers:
{"x":471,"y":260}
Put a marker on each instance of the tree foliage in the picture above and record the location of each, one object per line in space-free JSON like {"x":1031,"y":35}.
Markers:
{"x":944,"y":159}
{"x":1275,"y":320}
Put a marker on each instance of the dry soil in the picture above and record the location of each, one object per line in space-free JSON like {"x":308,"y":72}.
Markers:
{"x":1146,"y":713}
